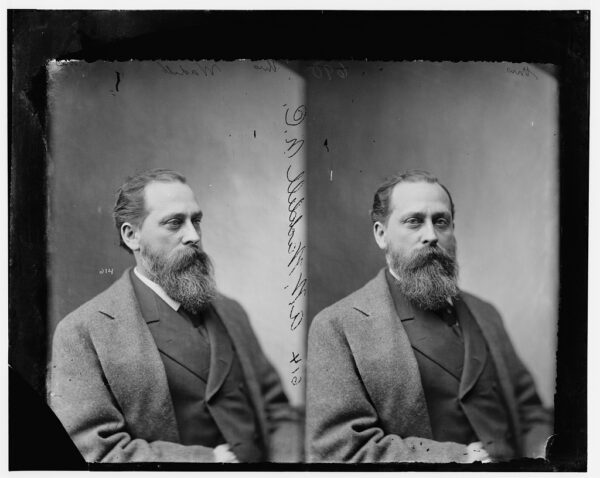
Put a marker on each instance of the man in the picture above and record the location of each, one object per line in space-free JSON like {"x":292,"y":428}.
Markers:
{"x":409,"y":368}
{"x":160,"y":366}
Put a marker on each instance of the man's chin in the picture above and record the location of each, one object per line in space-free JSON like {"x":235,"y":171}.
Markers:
{"x":193,"y":291}
{"x":426,"y":291}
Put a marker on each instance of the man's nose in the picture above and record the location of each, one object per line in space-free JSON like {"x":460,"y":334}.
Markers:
{"x":429,"y":234}
{"x":191,"y":234}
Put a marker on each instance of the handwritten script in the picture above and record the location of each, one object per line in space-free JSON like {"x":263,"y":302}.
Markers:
{"x":327,"y":71}
{"x":267,"y":65}
{"x":525,"y":72}
{"x":293,"y":117}
{"x":196,"y":68}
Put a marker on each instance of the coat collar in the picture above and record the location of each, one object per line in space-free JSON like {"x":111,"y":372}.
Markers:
{"x":380,"y":326}
{"x":475,"y":349}
{"x":385,"y":359}
{"x":126,"y":349}
{"x":169,"y":328}
{"x":428,"y":334}
{"x":221,"y":355}
{"x":130,"y":350}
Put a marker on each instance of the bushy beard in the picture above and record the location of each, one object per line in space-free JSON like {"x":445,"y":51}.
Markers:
{"x":427,"y":277}
{"x":186,"y":276}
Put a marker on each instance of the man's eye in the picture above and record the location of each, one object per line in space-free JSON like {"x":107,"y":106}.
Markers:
{"x":413,"y":221}
{"x":174,"y":223}
{"x":442,"y":222}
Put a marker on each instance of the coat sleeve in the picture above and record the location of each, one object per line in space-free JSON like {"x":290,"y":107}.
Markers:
{"x":81,"y":398}
{"x":534,"y":419}
{"x":285,"y":441}
{"x":342,"y":424}
{"x":283,"y":420}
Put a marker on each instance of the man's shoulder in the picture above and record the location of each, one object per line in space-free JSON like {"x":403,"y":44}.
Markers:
{"x":478,"y":305}
{"x":225,"y":301}
{"x":95,"y":307}
{"x":352,"y":305}
{"x":231,"y":311}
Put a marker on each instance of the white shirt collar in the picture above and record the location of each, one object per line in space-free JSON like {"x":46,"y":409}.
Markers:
{"x":158,"y":290}
{"x":448,"y":299}
{"x":393,"y":273}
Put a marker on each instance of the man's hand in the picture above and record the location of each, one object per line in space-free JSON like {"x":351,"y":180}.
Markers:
{"x":224,"y":455}
{"x":477,"y":453}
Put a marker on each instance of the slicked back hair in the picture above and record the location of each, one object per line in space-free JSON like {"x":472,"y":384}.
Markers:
{"x":381,"y":202}
{"x":130,"y":205}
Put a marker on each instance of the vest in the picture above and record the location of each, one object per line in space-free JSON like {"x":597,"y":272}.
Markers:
{"x":458,"y":377}
{"x":204,"y":375}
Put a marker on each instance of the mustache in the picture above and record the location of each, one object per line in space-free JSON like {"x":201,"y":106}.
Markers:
{"x":428,"y":256}
{"x":189,"y":257}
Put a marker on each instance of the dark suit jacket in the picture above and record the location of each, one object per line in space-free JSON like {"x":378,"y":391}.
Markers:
{"x":365,"y":400}
{"x":107,"y":384}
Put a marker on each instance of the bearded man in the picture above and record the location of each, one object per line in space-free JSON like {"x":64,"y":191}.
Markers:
{"x":410,"y":368}
{"x":160,"y":366}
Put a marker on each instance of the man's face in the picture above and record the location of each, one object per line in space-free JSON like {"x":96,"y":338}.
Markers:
{"x":420,"y":217}
{"x":418,"y":240}
{"x":172,"y":224}
{"x":170,"y":250}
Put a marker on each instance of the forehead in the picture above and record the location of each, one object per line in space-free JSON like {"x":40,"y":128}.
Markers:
{"x":419,"y":197}
{"x":161,"y":197}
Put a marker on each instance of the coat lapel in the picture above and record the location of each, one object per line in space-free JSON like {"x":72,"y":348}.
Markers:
{"x":475,"y":350}
{"x":221,"y":355}
{"x":386,"y":361}
{"x":132,"y":365}
{"x":432,"y":337}
{"x":178,"y":339}
{"x":229,"y":315}
{"x":480,"y":311}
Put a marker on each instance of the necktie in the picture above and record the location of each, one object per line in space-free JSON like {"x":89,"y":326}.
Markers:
{"x":448,"y":315}
{"x":197,"y":321}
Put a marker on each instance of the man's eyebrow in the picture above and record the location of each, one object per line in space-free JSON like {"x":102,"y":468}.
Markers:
{"x":175,"y":215}
{"x":421,"y":215}
{"x":413,"y":214}
{"x":181,"y":216}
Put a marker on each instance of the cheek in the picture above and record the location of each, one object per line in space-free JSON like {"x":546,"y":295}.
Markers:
{"x":399,"y":243}
{"x":163,"y":243}
{"x":402,"y":239}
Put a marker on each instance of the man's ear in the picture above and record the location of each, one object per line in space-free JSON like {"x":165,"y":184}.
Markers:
{"x":379,"y":233}
{"x":131,"y":236}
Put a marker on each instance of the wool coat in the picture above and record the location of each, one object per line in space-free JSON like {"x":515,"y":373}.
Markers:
{"x":365,"y":400}
{"x":108,"y":386}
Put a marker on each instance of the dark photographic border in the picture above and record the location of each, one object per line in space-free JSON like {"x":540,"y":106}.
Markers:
{"x":36,"y":439}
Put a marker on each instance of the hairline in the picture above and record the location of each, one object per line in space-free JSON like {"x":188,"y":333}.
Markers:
{"x":391,"y":207}
{"x":146,"y":212}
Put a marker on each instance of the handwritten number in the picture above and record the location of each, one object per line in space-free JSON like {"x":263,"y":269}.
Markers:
{"x":297,"y":117}
{"x":326,"y":71}
{"x":342,"y":72}
{"x":316,"y":71}
{"x":295,"y":358}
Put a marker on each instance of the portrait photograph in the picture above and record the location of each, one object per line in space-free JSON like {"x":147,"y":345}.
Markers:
{"x":309,"y":251}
